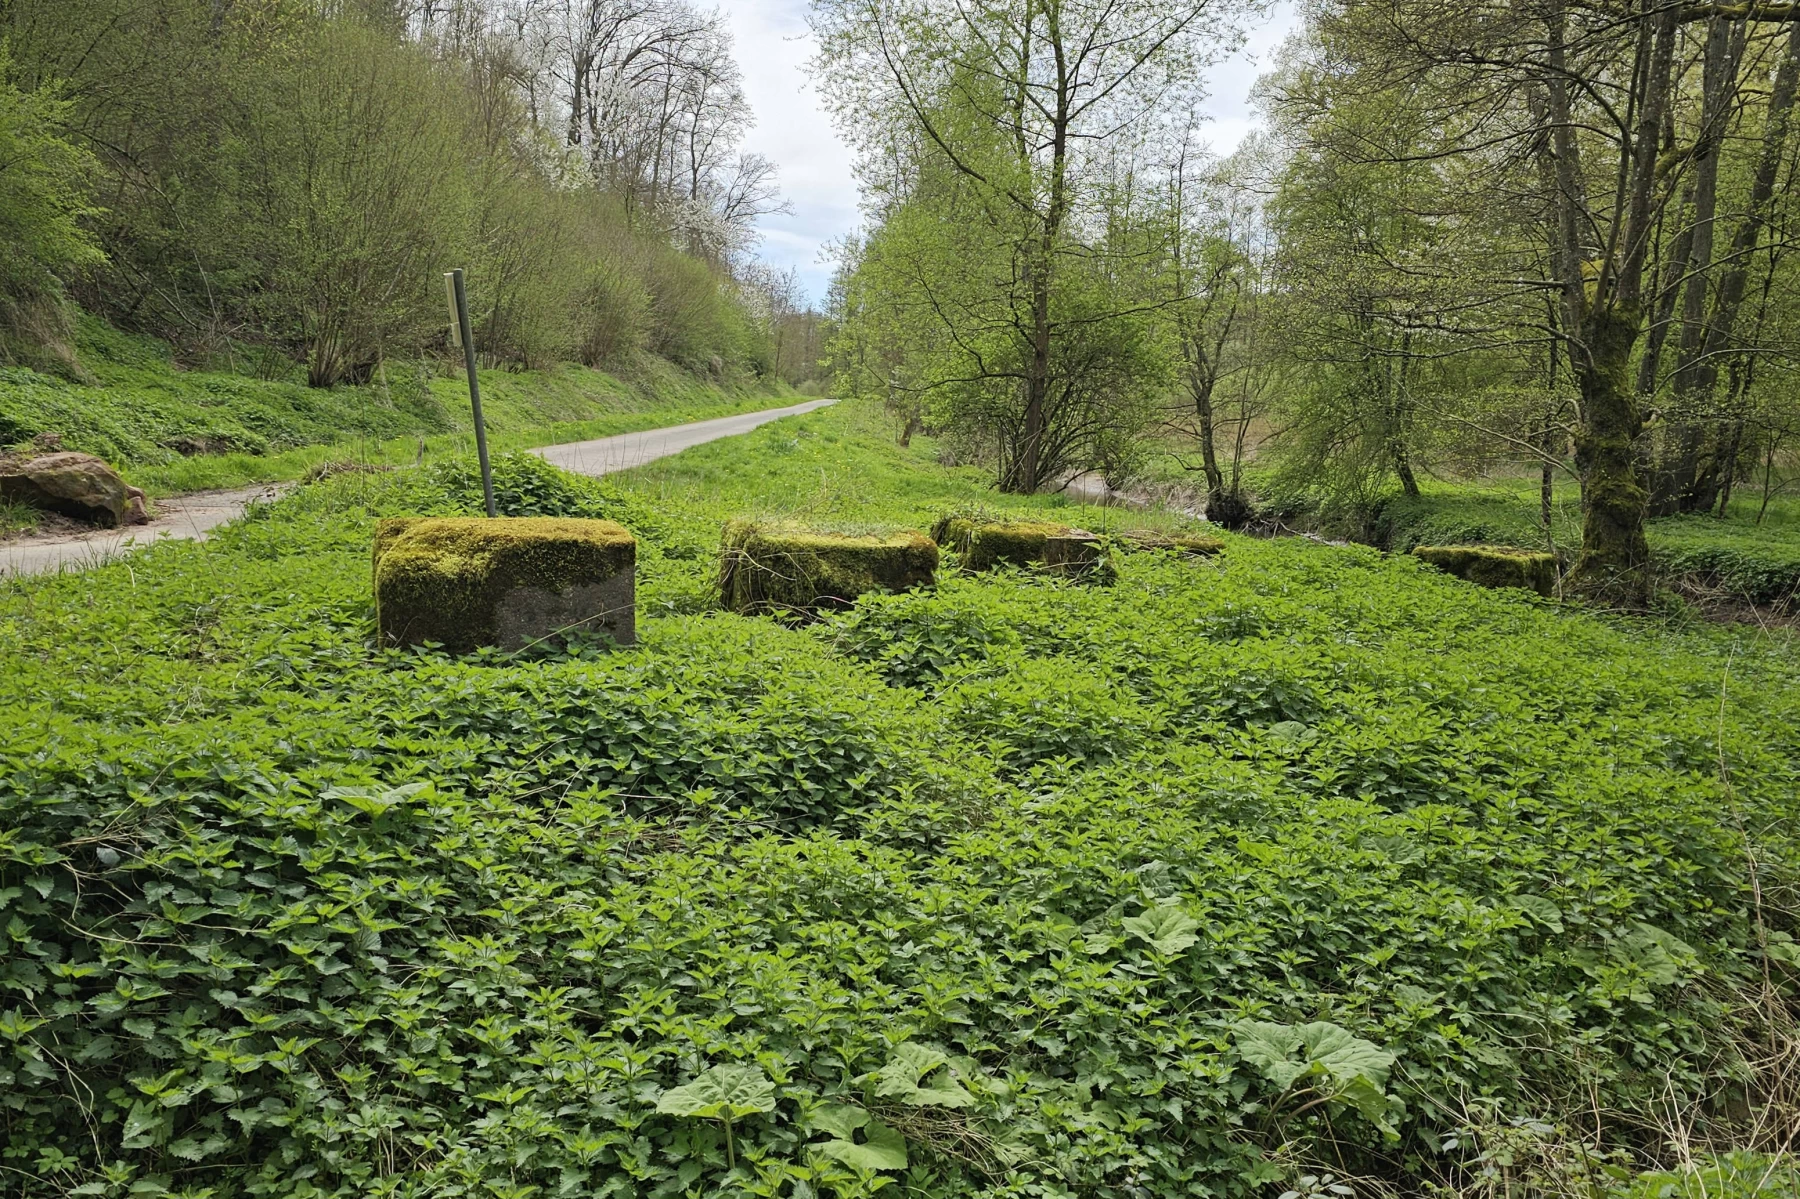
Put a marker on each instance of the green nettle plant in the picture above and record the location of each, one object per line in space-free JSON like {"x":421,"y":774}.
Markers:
{"x":722,"y":1093}
{"x":1372,"y":879}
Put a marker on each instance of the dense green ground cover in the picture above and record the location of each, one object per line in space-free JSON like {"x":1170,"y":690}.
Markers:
{"x":237,"y":428}
{"x":1298,"y":859}
{"x":1735,"y":557}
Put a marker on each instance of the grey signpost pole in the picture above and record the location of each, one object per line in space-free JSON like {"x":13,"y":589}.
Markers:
{"x":459,"y":325}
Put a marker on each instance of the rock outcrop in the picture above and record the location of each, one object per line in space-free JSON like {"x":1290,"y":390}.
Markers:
{"x":77,"y":485}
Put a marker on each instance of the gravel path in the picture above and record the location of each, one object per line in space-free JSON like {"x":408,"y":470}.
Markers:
{"x":192,"y":517}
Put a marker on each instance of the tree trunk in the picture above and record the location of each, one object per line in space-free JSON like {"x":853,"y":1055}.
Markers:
{"x":1614,"y":565}
{"x":1605,"y":316}
{"x":1713,"y":470}
{"x":1675,"y":484}
{"x":1209,"y":454}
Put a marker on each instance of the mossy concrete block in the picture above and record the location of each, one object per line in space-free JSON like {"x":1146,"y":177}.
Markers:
{"x":507,"y":582}
{"x":780,"y":568}
{"x":1494,"y":565}
{"x":1077,"y":554}
{"x":981,"y":545}
{"x":1193,"y":545}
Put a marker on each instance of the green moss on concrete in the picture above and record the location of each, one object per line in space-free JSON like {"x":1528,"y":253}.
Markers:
{"x":1494,"y":565}
{"x":951,"y":531}
{"x":1079,"y":555}
{"x":783,"y":568}
{"x":448,"y":580}
{"x":983,"y":544}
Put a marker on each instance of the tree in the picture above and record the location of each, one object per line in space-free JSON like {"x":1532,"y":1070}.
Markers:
{"x":985,"y":131}
{"x":298,"y":173}
{"x":45,"y":189}
{"x":1573,"y":114}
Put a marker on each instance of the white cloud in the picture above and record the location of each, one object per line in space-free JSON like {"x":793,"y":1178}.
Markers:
{"x":773,"y":46}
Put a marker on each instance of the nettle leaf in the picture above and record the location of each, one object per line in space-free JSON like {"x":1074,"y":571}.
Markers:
{"x":1542,"y":912}
{"x":1351,"y":1070}
{"x":146,"y":1124}
{"x":373,"y":802}
{"x":1168,"y":929}
{"x":881,"y":1149}
{"x":903,"y":1078}
{"x":723,"y":1092}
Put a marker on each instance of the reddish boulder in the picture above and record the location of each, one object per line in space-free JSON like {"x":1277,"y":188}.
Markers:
{"x":77,"y":485}
{"x":137,"y":507}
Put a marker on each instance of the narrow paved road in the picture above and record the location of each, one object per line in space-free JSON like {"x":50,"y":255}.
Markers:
{"x":182,"y":517}
{"x":192,"y":517}
{"x":607,"y":454}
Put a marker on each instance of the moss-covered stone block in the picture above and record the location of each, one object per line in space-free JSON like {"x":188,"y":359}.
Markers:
{"x":509,"y":582}
{"x":783,"y":568}
{"x":1193,"y":545}
{"x":1494,"y":565}
{"x":981,"y":545}
{"x":1078,"y":554}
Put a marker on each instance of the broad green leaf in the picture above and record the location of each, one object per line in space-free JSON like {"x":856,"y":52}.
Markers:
{"x":884,"y":1149}
{"x":1541,"y":911}
{"x":904,"y":1075}
{"x":374,"y":802}
{"x":841,"y":1120}
{"x":722,"y":1092}
{"x":1660,"y":955}
{"x":1272,"y":1049}
{"x":1344,"y":1055}
{"x":1169,"y":929}
{"x":1284,"y":1053}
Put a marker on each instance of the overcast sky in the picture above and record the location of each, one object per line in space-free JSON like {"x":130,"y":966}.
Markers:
{"x":773,"y":46}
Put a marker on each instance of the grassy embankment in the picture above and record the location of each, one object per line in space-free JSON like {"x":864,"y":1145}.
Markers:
{"x":1735,"y":558}
{"x":1301,"y":860}
{"x":172,"y":431}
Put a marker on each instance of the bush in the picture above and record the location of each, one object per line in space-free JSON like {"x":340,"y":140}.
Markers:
{"x":45,"y":183}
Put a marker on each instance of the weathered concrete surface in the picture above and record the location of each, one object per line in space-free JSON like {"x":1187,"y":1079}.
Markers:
{"x":512,"y":582}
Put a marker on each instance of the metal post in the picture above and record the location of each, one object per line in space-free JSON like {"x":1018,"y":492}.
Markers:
{"x":468,"y":345}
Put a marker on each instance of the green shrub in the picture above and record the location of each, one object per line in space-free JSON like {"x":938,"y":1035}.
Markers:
{"x":1750,"y":563}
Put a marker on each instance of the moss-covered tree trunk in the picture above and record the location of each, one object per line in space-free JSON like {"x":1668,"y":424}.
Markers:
{"x":1614,"y":564}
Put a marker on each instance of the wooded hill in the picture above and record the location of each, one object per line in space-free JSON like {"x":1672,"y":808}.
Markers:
{"x":294,"y":175}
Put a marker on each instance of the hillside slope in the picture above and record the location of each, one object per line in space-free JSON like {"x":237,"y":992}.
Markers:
{"x":253,"y":420}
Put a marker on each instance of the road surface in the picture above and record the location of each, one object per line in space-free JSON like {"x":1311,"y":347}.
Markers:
{"x":607,"y":454}
{"x":192,"y":517}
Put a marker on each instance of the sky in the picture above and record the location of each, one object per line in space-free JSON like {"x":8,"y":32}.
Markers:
{"x":773,"y":46}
